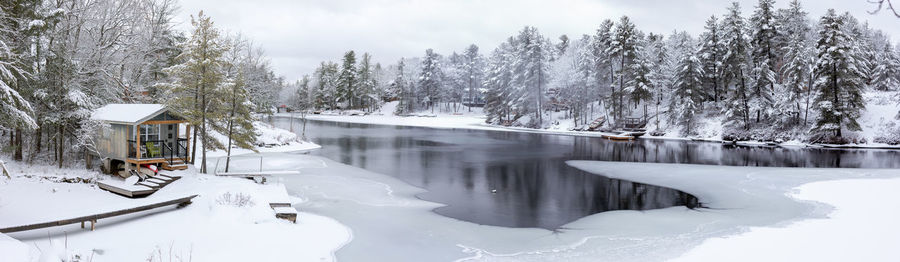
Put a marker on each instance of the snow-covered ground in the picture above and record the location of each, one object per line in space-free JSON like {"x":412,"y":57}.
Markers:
{"x":199,"y":232}
{"x":863,"y":227}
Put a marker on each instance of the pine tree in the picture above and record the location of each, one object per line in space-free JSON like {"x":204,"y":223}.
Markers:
{"x":15,"y":110}
{"x":734,"y":64}
{"x":710,"y":55}
{"x":839,"y":82}
{"x":762,"y":36}
{"x":603,"y":65}
{"x":532,"y":71}
{"x":238,"y":125}
{"x":498,"y":81}
{"x":798,"y":60}
{"x":624,"y":48}
{"x":401,"y":87}
{"x":687,"y":96}
{"x":198,"y":83}
{"x":367,"y":83}
{"x":887,"y":73}
{"x":474,"y":69}
{"x":348,"y":81}
{"x":431,"y":79}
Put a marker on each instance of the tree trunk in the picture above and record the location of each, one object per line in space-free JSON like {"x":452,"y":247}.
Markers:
{"x":837,"y":101}
{"x":17,"y":144}
{"x":231,"y":127}
{"x":203,"y":131}
{"x":746,"y":114}
{"x":61,"y":147}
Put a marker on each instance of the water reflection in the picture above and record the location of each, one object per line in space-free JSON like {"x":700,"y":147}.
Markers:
{"x":521,"y":179}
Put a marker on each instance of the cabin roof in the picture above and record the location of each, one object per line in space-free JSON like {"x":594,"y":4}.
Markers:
{"x":127,"y":113}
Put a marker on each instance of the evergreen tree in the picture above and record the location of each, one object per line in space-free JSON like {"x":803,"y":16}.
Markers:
{"x":348,"y":81}
{"x":498,"y":81}
{"x":887,"y":73}
{"x":431,"y":79}
{"x":367,"y":83}
{"x":839,"y":83}
{"x":798,"y":60}
{"x":710,"y":55}
{"x":238,"y":125}
{"x":474,"y":69}
{"x":532,"y":71}
{"x":687,"y":96}
{"x":199,"y":79}
{"x":762,"y":42}
{"x":624,"y":48}
{"x":734,"y":66}
{"x":603,"y":65}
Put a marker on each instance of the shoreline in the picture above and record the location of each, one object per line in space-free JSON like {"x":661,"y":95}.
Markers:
{"x":476,"y":123}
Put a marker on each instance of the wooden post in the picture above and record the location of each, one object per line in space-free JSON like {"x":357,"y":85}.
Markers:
{"x":82,"y":224}
{"x":137,"y":139}
{"x":187,"y":136}
{"x":94,"y":221}
{"x":5,"y":172}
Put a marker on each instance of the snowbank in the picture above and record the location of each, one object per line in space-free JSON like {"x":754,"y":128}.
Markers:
{"x":862,"y":228}
{"x":230,"y":220}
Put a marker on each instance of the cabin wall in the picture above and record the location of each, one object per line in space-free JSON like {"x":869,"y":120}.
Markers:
{"x":112,"y":141}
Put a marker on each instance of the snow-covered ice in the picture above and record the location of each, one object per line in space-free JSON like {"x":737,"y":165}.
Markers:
{"x":385,"y":215}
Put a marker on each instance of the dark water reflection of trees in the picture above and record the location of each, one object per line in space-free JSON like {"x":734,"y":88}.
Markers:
{"x":521,"y":179}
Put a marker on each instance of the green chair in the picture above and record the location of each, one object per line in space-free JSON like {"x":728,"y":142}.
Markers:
{"x":152,"y":150}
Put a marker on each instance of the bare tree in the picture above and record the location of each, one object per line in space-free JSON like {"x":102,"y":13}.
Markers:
{"x":881,"y":5}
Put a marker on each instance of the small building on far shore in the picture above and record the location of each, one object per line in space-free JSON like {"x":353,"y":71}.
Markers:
{"x":142,"y":134}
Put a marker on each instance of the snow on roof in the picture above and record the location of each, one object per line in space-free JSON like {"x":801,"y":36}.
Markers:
{"x":127,"y":113}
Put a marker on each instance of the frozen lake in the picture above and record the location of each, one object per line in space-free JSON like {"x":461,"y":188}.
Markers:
{"x":517,"y":179}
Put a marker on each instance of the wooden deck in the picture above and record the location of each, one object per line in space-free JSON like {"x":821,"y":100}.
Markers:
{"x":93,"y":218}
{"x":141,"y":189}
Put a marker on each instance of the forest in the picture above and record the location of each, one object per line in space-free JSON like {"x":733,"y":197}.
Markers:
{"x":777,"y":74}
{"x":61,"y":59}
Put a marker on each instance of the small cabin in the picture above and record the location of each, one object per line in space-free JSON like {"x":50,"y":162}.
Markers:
{"x":142,"y":134}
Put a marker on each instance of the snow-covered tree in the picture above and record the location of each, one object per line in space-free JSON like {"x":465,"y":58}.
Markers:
{"x":685,"y":106}
{"x":734,"y":68}
{"x":198,"y":83}
{"x":839,"y":82}
{"x":532,"y":71}
{"x":624,"y":47}
{"x":763,"y":48}
{"x":430,"y":80}
{"x":498,"y":82}
{"x":798,"y":59}
{"x":348,"y":81}
{"x":886,"y":75}
{"x":473,"y":72}
{"x":711,"y":52}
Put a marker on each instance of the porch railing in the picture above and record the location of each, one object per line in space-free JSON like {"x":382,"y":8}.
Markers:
{"x":158,"y":149}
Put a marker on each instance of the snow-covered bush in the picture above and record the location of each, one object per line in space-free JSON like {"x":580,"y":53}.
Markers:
{"x":238,"y":200}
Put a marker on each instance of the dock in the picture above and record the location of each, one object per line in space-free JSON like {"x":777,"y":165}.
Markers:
{"x":93,"y":218}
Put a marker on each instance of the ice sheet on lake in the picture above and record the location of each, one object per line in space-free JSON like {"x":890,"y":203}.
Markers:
{"x":390,"y":224}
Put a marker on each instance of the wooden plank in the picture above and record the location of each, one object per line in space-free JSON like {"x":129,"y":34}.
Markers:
{"x":125,"y":192}
{"x":93,"y":218}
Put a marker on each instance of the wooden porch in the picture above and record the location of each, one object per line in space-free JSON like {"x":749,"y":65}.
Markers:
{"x":168,"y":152}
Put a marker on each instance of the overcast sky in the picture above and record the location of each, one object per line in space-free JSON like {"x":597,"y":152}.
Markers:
{"x":298,"y":34}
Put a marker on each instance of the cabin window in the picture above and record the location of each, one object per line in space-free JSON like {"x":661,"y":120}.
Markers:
{"x":149,"y":132}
